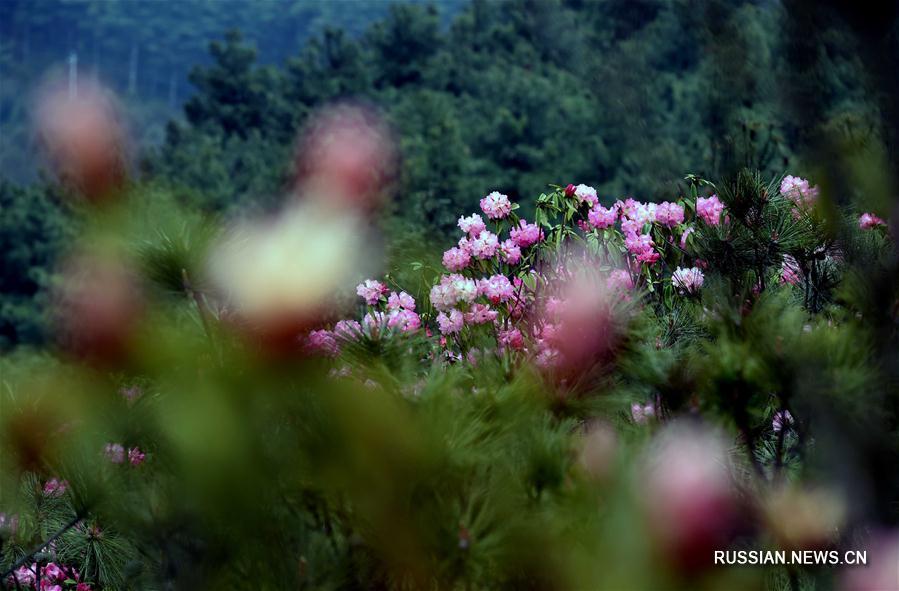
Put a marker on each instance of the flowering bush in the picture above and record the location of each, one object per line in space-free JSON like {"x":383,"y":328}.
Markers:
{"x":666,"y":379}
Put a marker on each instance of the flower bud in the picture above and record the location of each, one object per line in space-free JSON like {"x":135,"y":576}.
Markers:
{"x":84,"y":140}
{"x":98,"y":309}
{"x":690,"y":502}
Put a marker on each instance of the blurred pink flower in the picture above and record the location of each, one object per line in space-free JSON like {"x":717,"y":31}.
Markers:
{"x":322,"y":342}
{"x":868,"y":221}
{"x":136,"y":456}
{"x":114,"y":452}
{"x":55,"y":487}
{"x":348,"y":329}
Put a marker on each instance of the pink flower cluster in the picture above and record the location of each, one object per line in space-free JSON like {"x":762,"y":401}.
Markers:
{"x":868,"y":221}
{"x":799,"y":191}
{"x":688,"y":280}
{"x":371,"y":291}
{"x":790,"y":273}
{"x":53,"y":577}
{"x":115,"y":453}
{"x":586,"y":194}
{"x":669,"y":214}
{"x":396,"y":315}
{"x":496,"y":205}
{"x":55,"y":487}
{"x":643,"y":413}
{"x":709,"y":209}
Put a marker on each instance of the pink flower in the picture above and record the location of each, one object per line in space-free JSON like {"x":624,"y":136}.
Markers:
{"x":405,"y":320}
{"x":322,"y":342}
{"x":790,"y":273}
{"x":688,"y":493}
{"x":373,"y":321}
{"x":24,"y":575}
{"x":643,"y":213}
{"x":114,"y":452}
{"x":496,"y":289}
{"x":83,"y":587}
{"x":472,"y":225}
{"x":53,"y":572}
{"x":480,"y":314}
{"x":554,"y":307}
{"x":642,"y":414}
{"x":55,"y":487}
{"x":687,"y":280}
{"x":600,"y":217}
{"x":570,"y":190}
{"x":400,"y":300}
{"x":348,"y":329}
{"x":586,"y":194}
{"x":620,"y":280}
{"x":709,"y":209}
{"x":798,"y":191}
{"x":456,"y":259}
{"x":451,"y":290}
{"x":628,"y":207}
{"x":451,"y":322}
{"x":496,"y":205}
{"x":371,"y":291}
{"x":642,"y":247}
{"x":484,"y":246}
{"x":510,"y":252}
{"x":782,"y":418}
{"x":511,"y":338}
{"x":631,"y":227}
{"x":669,"y":214}
{"x":868,"y":221}
{"x":526,"y":234}
{"x":136,"y":456}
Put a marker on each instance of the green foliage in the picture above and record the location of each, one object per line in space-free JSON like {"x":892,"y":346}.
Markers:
{"x":34,"y":228}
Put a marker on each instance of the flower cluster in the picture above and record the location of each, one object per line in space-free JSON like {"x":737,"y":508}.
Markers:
{"x":868,"y":221}
{"x":687,"y":280}
{"x":48,"y":577}
{"x":496,"y":205}
{"x":55,"y":487}
{"x":709,"y":209}
{"x":518,"y":293}
{"x":799,"y":191}
{"x":115,"y":453}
